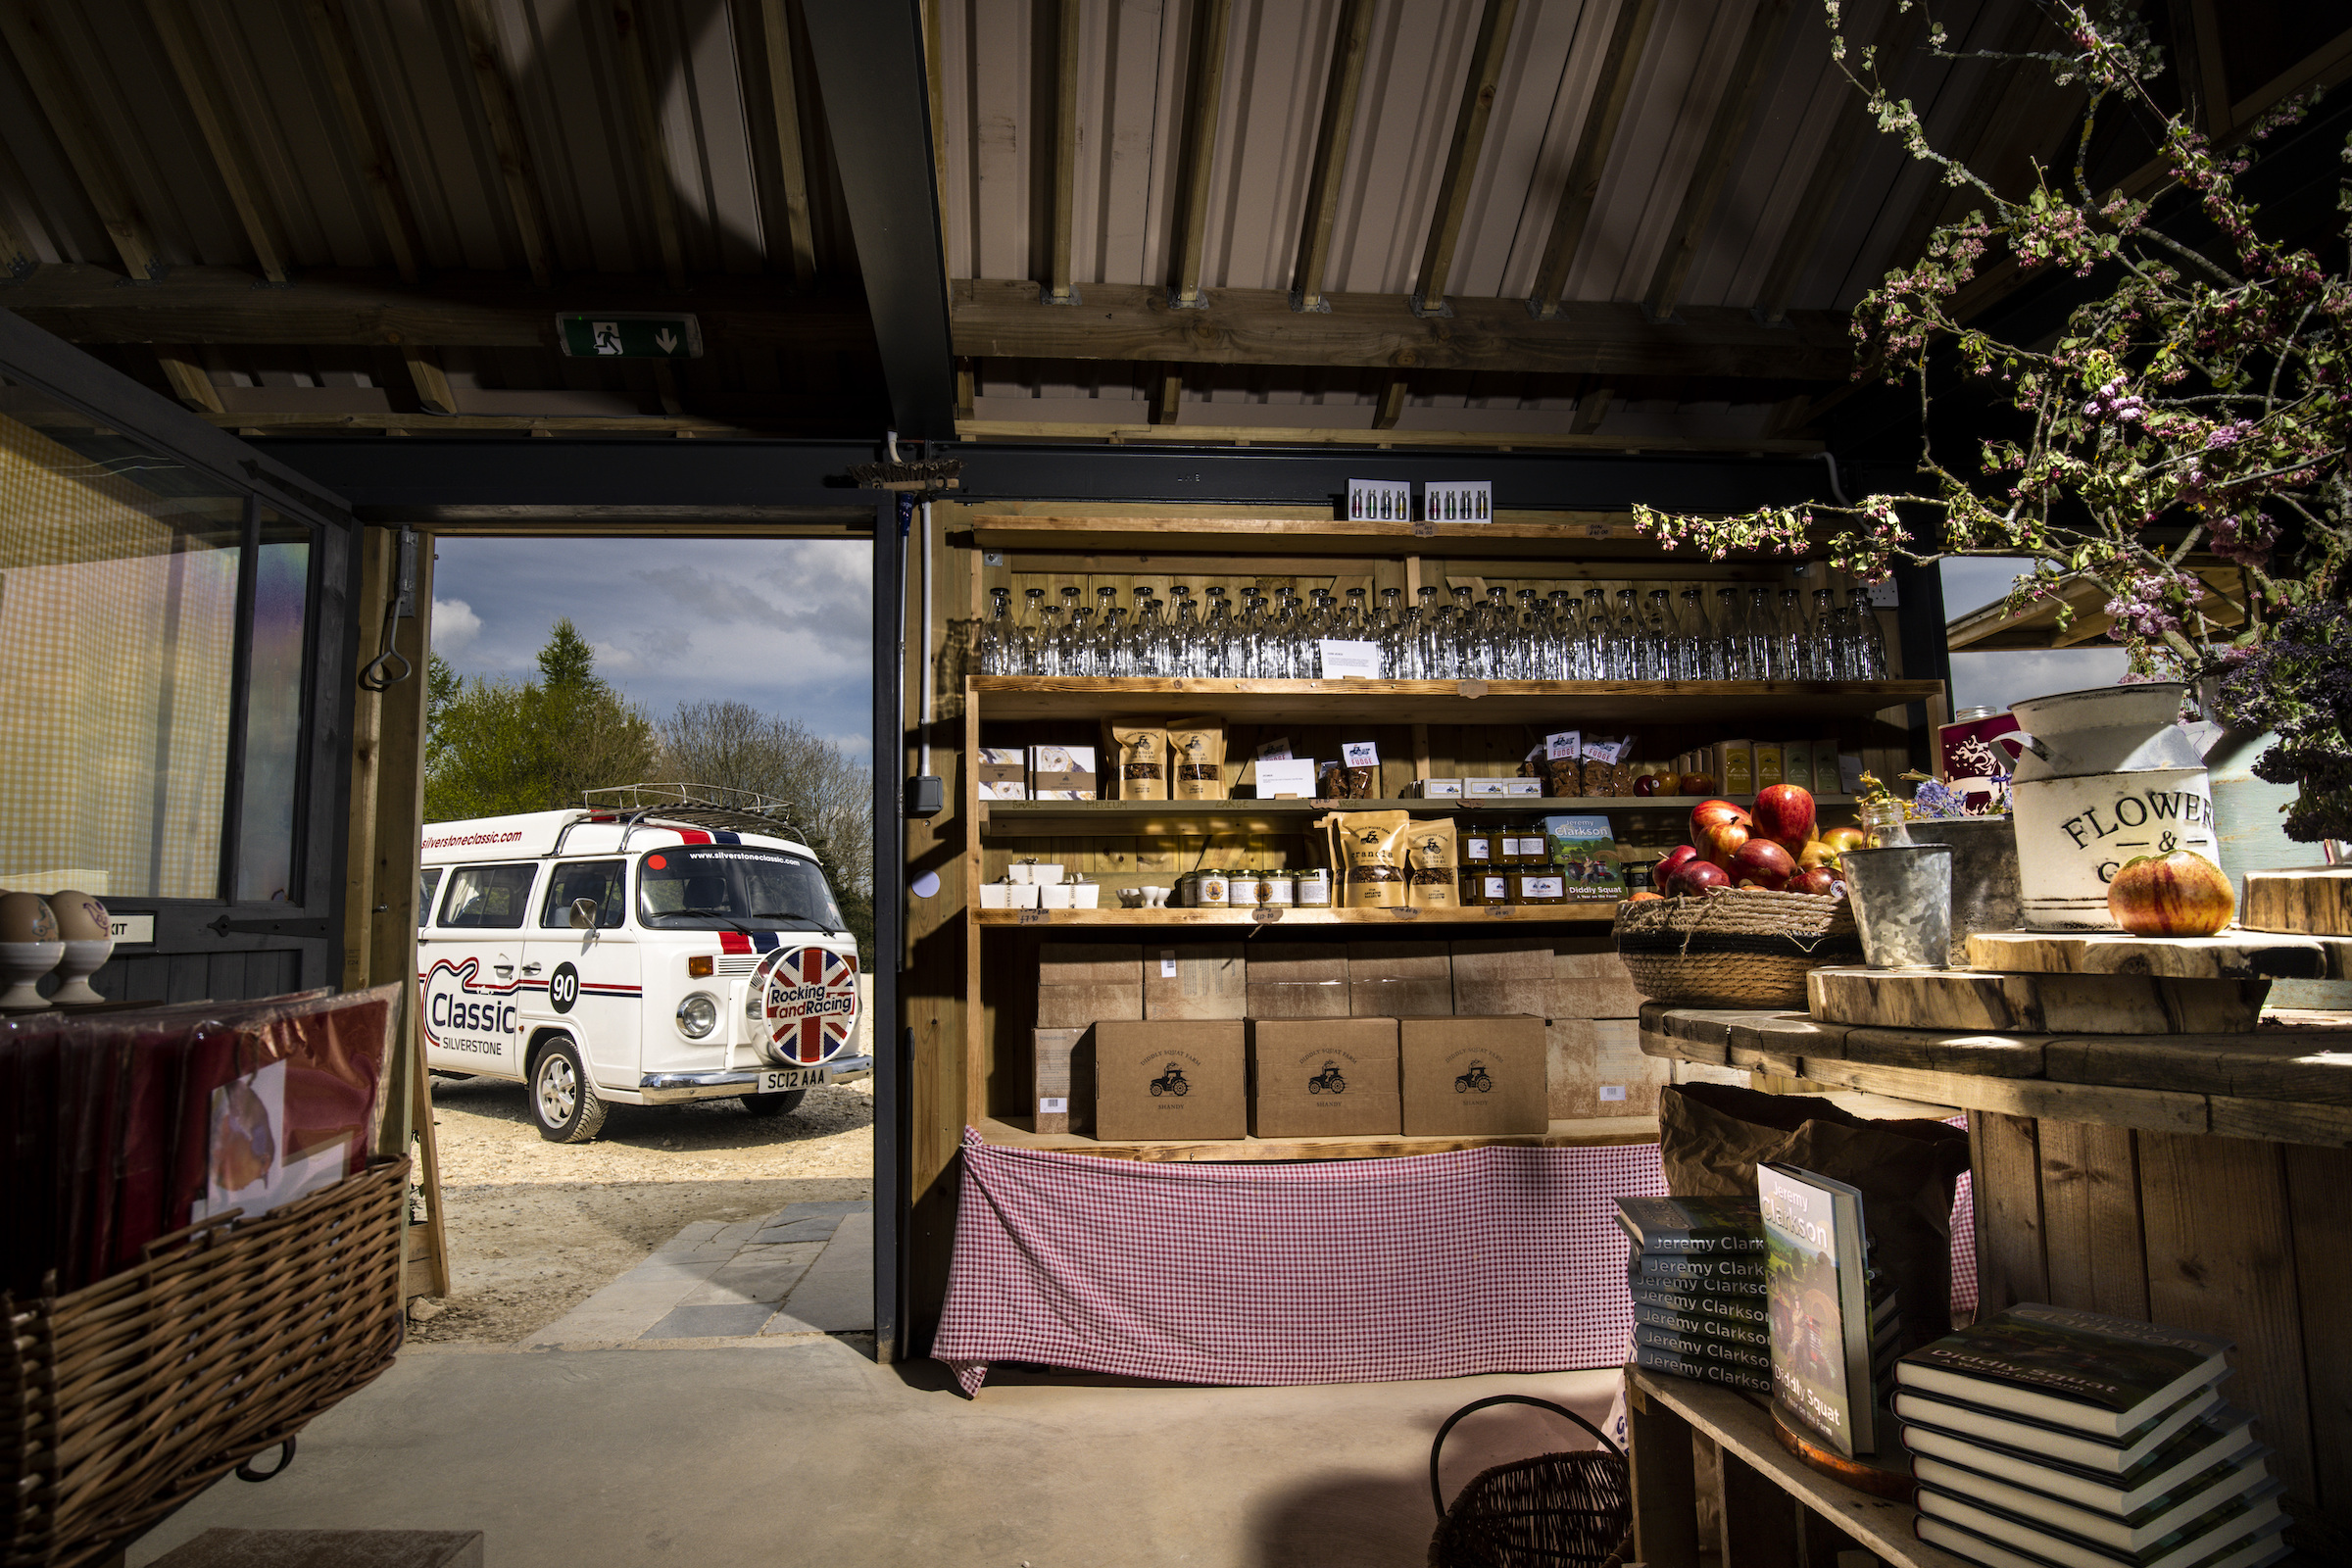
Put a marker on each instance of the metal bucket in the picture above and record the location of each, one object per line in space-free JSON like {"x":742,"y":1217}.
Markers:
{"x":2102,"y":776}
{"x":1902,"y":898}
{"x":1986,"y":894}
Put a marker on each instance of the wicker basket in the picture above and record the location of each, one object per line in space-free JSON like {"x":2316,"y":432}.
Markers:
{"x":1743,"y":949}
{"x":1571,"y":1508}
{"x":124,"y":1400}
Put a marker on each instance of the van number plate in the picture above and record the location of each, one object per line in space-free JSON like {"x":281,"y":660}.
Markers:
{"x":782,"y":1079}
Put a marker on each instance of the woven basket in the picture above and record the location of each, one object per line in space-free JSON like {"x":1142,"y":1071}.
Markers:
{"x":1743,"y":949}
{"x":126,"y":1398}
{"x":1558,"y":1508}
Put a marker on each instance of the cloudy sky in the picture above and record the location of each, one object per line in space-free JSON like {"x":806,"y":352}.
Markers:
{"x":782,"y":624}
{"x":1996,"y":680}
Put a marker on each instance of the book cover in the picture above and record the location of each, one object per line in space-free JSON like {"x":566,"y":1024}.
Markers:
{"x":1702,"y":1370}
{"x":1746,"y":1307}
{"x":2225,"y":1436}
{"x":1755,"y":1358}
{"x":1699,"y":1273}
{"x":2104,"y":1456}
{"x":2152,"y":1521}
{"x":2257,"y":1550}
{"x":1584,"y":853}
{"x":2085,"y":1370}
{"x":1748,"y":1333}
{"x":1820,"y":1309}
{"x":2231,"y":1522}
{"x":1692,"y":1225}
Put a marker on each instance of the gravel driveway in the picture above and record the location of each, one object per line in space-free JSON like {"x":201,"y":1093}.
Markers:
{"x":535,"y":1228}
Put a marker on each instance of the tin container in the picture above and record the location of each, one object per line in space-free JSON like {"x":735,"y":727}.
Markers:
{"x":1971,"y":757}
{"x":1314,"y":889}
{"x":1902,"y":896}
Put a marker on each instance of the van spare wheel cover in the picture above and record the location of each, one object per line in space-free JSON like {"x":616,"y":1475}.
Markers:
{"x":807,"y":1003}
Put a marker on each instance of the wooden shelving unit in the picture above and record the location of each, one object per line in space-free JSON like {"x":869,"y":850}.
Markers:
{"x":1443,"y":702}
{"x":1610,"y":536}
{"x":1590,"y":914}
{"x":1601,"y":1131}
{"x":1012,"y":819}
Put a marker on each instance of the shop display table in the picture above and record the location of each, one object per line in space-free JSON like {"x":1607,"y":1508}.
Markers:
{"x":1777,"y":1511}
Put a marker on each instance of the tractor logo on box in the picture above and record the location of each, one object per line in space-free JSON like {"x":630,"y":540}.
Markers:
{"x":1476,"y":1078}
{"x":1170,"y":1082}
{"x":1327,"y":1081}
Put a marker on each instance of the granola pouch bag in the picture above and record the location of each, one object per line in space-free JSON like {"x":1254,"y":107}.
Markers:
{"x":1197,"y":753}
{"x":1139,"y":760}
{"x":1433,"y":878}
{"x":1374,"y":843}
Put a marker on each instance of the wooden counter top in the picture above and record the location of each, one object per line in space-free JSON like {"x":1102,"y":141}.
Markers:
{"x":2289,"y":1081}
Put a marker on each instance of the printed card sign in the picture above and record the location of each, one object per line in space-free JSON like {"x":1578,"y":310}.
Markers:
{"x":1277,"y":779}
{"x":1360,"y":754}
{"x":807,"y":1003}
{"x":1350,"y":661}
{"x":1469,"y":502}
{"x":1379,"y":501}
{"x":1277,"y":749}
{"x":1562,"y":745}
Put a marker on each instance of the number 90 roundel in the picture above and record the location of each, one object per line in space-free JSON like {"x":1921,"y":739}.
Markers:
{"x":806,"y":1002}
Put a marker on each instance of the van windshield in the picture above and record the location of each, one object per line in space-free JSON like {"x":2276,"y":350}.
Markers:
{"x":730,"y":888}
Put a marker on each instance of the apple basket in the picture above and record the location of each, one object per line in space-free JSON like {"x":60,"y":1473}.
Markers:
{"x":1741,"y":948}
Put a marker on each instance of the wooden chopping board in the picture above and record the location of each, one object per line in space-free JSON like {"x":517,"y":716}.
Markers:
{"x":1976,"y":999}
{"x":2314,"y":902}
{"x":2234,"y":954}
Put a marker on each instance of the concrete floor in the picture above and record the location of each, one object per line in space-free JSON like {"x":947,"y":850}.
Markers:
{"x":802,"y":1450}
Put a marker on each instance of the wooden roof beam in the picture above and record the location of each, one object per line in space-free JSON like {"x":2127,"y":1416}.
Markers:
{"x":1461,"y":158}
{"x":31,"y":40}
{"x":653,"y":146}
{"x":1060,"y":287}
{"x":1338,"y":127}
{"x":17,"y":260}
{"x":1392,"y":401}
{"x":792,"y":167}
{"x":1628,"y":35}
{"x":495,"y":95}
{"x":189,"y":381}
{"x":998,"y":317}
{"x":1727,"y":139}
{"x":331,"y":35}
{"x":1203,"y":104}
{"x":1276,"y":435}
{"x":194,"y":68}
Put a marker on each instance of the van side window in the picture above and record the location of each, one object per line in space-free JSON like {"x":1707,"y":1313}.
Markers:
{"x":488,"y":897}
{"x":605,"y":881}
{"x":428,"y":881}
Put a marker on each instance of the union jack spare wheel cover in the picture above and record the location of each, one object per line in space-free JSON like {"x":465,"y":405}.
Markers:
{"x":807,"y":1003}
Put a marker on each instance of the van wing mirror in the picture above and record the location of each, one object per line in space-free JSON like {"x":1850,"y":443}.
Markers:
{"x":583,"y":915}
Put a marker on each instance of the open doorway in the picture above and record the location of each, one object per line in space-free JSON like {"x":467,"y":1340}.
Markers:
{"x":557,"y":665}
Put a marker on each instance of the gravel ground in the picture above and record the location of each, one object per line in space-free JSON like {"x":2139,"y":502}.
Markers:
{"x":535,"y":1228}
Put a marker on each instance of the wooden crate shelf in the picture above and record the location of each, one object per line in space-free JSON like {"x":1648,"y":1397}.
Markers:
{"x":1442,"y":701}
{"x":1610,"y":536}
{"x":1597,"y":1131}
{"x":1011,"y":819}
{"x":1590,"y":915}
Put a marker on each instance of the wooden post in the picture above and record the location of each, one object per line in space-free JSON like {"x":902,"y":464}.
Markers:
{"x":1665,"y":1484}
{"x":1761,"y":1523}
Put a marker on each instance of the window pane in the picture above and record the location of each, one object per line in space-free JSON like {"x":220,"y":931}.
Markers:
{"x":709,"y":889}
{"x":599,"y":880}
{"x":427,"y":880}
{"x":489,"y":897}
{"x":118,"y":610}
{"x":273,"y":711}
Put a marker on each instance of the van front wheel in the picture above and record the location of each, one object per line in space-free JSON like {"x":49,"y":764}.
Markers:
{"x":564,"y":1103}
{"x":777,"y":1105}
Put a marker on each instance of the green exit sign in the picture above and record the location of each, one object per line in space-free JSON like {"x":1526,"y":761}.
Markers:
{"x":629,"y":336}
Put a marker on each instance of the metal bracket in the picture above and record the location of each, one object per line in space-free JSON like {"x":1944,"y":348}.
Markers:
{"x":1048,"y":297}
{"x":1175,"y":304}
{"x":225,"y":926}
{"x":1299,"y":301}
{"x":1442,"y":311}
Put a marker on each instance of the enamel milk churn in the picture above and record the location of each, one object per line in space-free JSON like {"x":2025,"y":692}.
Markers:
{"x":2102,"y":776}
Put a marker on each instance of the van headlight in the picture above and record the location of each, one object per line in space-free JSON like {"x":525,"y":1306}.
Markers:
{"x":698,"y":1015}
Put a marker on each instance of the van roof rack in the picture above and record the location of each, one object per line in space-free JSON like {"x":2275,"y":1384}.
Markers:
{"x":702,"y":805}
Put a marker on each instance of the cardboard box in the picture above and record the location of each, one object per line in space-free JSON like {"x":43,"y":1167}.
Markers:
{"x":1090,"y":963}
{"x":1324,"y":1078}
{"x":1076,"y":1006}
{"x":1508,"y":994}
{"x":1486,"y":789}
{"x":1196,"y":980}
{"x":1400,"y":960}
{"x":1055,"y":1088}
{"x":1770,"y":764}
{"x":1597,"y":1068}
{"x":1502,"y":959}
{"x":1478,"y":1077}
{"x":1002,"y":774}
{"x":1400,"y":998}
{"x":1797,"y":766}
{"x":1313,"y":999}
{"x":1296,"y":963}
{"x":1593,"y":984}
{"x":1434,"y":789}
{"x":1171,"y":1079}
{"x":1849,"y":772}
{"x":1735,"y":766}
{"x":1061,"y":773}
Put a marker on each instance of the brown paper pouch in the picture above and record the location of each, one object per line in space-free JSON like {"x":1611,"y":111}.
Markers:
{"x":1374,"y":845}
{"x":1432,"y":866}
{"x":1197,"y":753}
{"x":1139,"y":760}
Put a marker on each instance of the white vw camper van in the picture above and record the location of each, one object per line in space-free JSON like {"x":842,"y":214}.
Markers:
{"x":665,"y":943}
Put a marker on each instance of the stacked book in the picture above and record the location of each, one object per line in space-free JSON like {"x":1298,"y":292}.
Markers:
{"x":1836,"y":1321}
{"x":2048,"y":1438}
{"x":1697,"y":1282}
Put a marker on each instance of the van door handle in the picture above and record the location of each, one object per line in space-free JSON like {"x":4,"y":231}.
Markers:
{"x":506,"y":967}
{"x":530,"y":968}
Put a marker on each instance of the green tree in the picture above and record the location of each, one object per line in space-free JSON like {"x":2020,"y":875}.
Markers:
{"x":495,"y":747}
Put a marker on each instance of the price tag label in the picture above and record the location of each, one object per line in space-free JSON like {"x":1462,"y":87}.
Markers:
{"x":1360,"y":754}
{"x":1036,"y":917}
{"x":1167,"y":963}
{"x":1498,"y":912}
{"x":1267,"y":913}
{"x":1425,"y":529}
{"x":1470,"y":688}
{"x":1563,"y":744}
{"x":1350,"y":661}
{"x":1406,"y":914}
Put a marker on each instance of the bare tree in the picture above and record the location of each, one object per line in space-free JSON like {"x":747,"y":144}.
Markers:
{"x":736,"y":746}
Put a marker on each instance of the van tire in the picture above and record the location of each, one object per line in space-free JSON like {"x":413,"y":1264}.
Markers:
{"x":564,"y":1100}
{"x":776,"y":1104}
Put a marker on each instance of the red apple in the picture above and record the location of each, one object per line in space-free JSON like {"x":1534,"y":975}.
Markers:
{"x":1696,"y":784}
{"x":2179,"y":895}
{"x":1646,"y":785}
{"x":1785,"y":814}
{"x":1720,"y":841}
{"x":1762,"y":862}
{"x":1708,"y":813}
{"x":1645,"y":894}
{"x":1670,"y":862}
{"x":1816,"y":879}
{"x":1842,"y":839}
{"x":1698,"y":878}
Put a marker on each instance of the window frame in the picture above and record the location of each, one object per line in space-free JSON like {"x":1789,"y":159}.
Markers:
{"x":558,"y":867}
{"x":449,"y":888}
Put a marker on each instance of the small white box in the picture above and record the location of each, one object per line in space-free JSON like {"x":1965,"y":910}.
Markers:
{"x":1023,"y":894}
{"x":1086,"y":894}
{"x":996,"y":895}
{"x":1379,"y":501}
{"x":1496,"y":789}
{"x":1055,"y":895}
{"x":1438,"y":789}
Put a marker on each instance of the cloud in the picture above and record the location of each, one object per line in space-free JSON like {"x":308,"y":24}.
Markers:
{"x":1977,"y":581}
{"x":455,"y":626}
{"x":2002,"y":679}
{"x":614,"y":660}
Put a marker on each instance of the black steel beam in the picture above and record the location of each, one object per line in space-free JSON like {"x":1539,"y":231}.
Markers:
{"x":398,"y":479}
{"x":877,"y":103}
{"x":892,"y":1043}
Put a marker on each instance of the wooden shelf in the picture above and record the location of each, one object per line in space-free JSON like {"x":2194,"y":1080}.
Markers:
{"x":1443,"y":702}
{"x":1597,"y":534}
{"x":1597,"y":912}
{"x":1007,"y":820}
{"x":1590,"y":1132}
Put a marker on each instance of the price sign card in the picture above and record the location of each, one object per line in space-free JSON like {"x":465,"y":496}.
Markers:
{"x":1350,"y":661}
{"x":1360,"y":754}
{"x":1285,"y":777}
{"x":1469,"y":502}
{"x":1562,"y":745}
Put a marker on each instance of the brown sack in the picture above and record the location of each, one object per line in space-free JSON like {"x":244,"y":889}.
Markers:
{"x":1712,"y":1137}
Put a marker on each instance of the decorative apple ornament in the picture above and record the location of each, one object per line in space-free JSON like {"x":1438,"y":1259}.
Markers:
{"x":1784,"y":813}
{"x":1721,"y":841}
{"x":1670,"y":861}
{"x":1763,"y":863}
{"x":1842,"y":839}
{"x":2177,"y":894}
{"x":1814,"y":879}
{"x":1698,"y":878}
{"x":1696,"y":784}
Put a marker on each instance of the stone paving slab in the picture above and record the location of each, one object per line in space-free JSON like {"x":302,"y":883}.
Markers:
{"x":837,"y":1293}
{"x":780,"y":1273}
